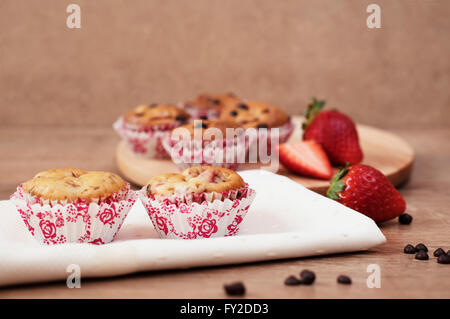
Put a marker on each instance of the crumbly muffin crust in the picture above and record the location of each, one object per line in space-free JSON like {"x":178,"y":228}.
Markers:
{"x":195,"y":180}
{"x":255,"y":114}
{"x":203,"y":125}
{"x":155,"y":114}
{"x":213,"y":101}
{"x":72,"y":184}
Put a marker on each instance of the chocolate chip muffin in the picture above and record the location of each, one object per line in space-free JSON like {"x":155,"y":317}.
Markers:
{"x":72,"y":205}
{"x":208,"y":106}
{"x":144,"y":127}
{"x":200,"y":202}
{"x":211,"y":142}
{"x":254,"y":114}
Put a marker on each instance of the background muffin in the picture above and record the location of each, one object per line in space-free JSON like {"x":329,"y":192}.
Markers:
{"x":72,"y":205}
{"x":209,"y":106}
{"x":223,"y":150}
{"x":260,"y":115}
{"x":200,"y":202}
{"x":144,"y":127}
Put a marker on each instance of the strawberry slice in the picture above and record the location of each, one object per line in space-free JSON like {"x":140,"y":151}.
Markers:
{"x":306,"y":158}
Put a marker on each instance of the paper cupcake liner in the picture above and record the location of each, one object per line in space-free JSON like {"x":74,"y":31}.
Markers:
{"x":217,"y":215}
{"x":144,"y":142}
{"x":206,"y":152}
{"x":200,"y":113}
{"x":52,"y":222}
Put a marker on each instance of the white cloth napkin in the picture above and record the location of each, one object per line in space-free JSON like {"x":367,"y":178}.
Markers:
{"x":286,"y":220}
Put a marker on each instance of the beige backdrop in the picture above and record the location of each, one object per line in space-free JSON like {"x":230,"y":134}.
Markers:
{"x":129,"y":52}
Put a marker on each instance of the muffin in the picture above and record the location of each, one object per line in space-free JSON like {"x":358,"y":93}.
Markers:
{"x":200,"y":202}
{"x":68,"y":205}
{"x":206,"y":142}
{"x":144,"y":127}
{"x":263,"y":117}
{"x":209,"y":106}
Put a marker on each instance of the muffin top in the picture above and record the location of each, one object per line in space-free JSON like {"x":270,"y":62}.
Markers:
{"x":203,"y":125}
{"x":213,"y":101}
{"x":72,"y":184}
{"x":255,"y":114}
{"x":155,"y":114}
{"x":195,"y":180}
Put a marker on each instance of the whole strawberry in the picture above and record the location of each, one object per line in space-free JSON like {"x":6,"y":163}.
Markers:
{"x":366,"y":190}
{"x":335,"y":131}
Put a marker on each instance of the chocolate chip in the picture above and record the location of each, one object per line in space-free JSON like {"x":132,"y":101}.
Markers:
{"x":233,"y":113}
{"x":421,"y":247}
{"x":181,"y":118}
{"x":152,"y":104}
{"x":235,"y":289}
{"x":307,"y":277}
{"x":242,"y":106}
{"x":421,"y":255}
{"x":200,"y":125}
{"x":292,"y":281}
{"x":342,"y":279}
{"x":438,"y":252}
{"x":262,"y":125}
{"x":266,"y":111}
{"x":444,"y":259}
{"x":405,"y":219}
{"x":214,"y":101}
{"x":409,"y":249}
{"x":203,"y":117}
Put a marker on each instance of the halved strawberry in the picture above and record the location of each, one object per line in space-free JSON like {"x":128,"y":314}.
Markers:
{"x":306,"y":158}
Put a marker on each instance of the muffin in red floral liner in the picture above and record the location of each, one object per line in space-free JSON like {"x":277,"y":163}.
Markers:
{"x":200,"y":202}
{"x":208,"y":142}
{"x":144,"y":128}
{"x":209,"y":106}
{"x":261,"y":116}
{"x":69,"y":205}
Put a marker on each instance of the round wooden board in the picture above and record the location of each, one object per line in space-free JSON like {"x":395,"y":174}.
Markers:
{"x":382,"y":150}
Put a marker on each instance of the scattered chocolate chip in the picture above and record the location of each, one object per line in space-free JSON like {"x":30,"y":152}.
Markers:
{"x":292,"y":281}
{"x":152,"y":104}
{"x":438,"y":252}
{"x":235,"y":289}
{"x":266,"y":111}
{"x":421,"y":247}
{"x":405,"y":219}
{"x":203,"y":117}
{"x":242,"y":106}
{"x":444,"y":259}
{"x":421,"y":255}
{"x":409,"y":249}
{"x":262,"y":125}
{"x":342,"y":279}
{"x":181,"y":118}
{"x":307,"y":277}
{"x":233,"y":113}
{"x":200,"y":125}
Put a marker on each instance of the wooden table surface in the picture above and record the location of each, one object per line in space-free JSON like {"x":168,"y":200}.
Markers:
{"x":27,"y":150}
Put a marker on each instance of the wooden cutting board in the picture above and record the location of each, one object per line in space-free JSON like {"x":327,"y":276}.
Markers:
{"x":382,"y":150}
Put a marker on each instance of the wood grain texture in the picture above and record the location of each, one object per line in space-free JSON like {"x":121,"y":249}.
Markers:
{"x":27,"y":150}
{"x":383,"y":150}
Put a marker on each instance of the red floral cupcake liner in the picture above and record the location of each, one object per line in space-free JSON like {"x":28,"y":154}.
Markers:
{"x":145,"y":141}
{"x":205,"y":215}
{"x":80,"y":221}
{"x":228,"y":153}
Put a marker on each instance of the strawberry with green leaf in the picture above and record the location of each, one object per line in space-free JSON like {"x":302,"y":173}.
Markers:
{"x":335,"y":131}
{"x":366,"y":190}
